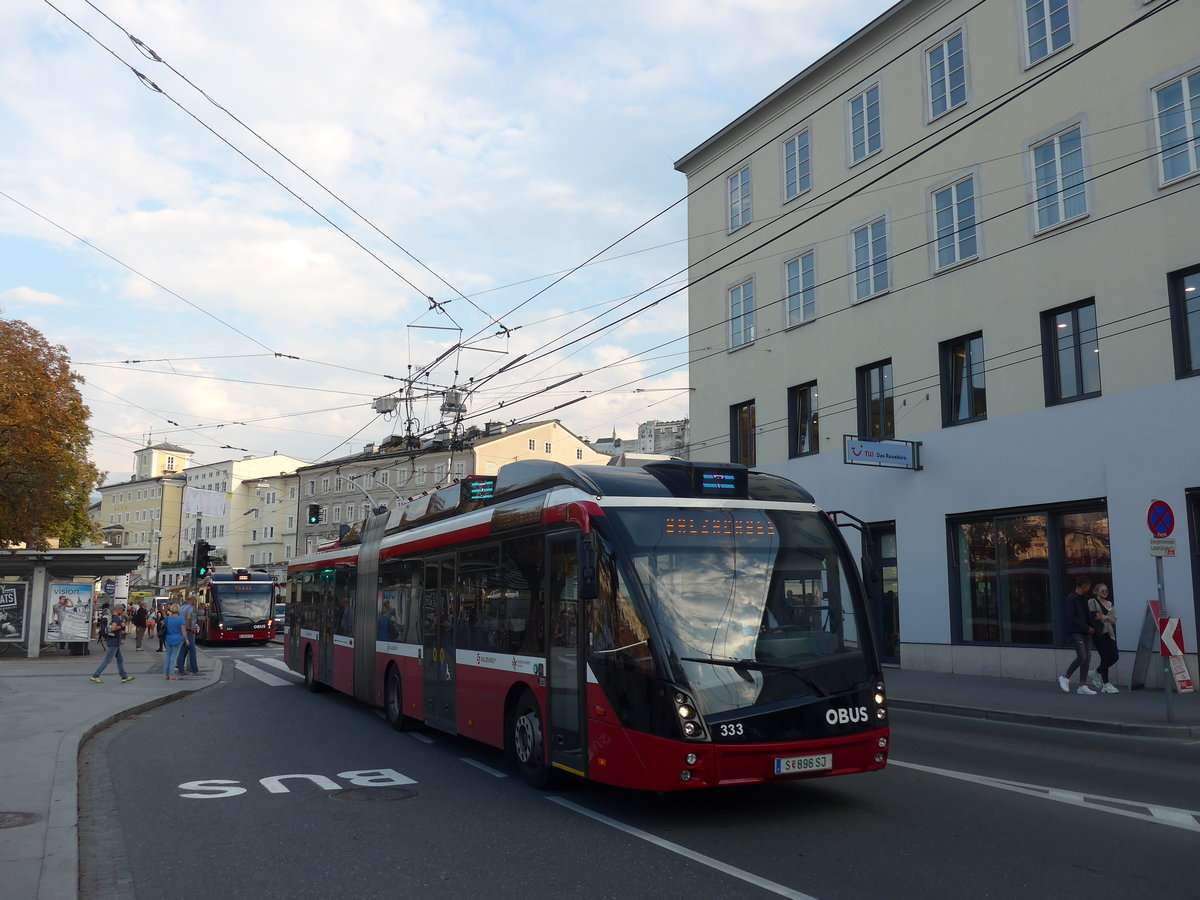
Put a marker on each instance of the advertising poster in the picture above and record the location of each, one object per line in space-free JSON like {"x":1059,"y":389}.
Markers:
{"x":70,"y":616}
{"x":12,"y":611}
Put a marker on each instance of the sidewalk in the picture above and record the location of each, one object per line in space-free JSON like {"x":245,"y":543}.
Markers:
{"x":1043,"y":703}
{"x":49,"y":708}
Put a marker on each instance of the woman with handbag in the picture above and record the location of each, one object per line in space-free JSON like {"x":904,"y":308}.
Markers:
{"x":1104,"y":616}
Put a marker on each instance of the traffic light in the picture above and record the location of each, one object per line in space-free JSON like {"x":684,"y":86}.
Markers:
{"x":314,"y":513}
{"x":200,"y":560}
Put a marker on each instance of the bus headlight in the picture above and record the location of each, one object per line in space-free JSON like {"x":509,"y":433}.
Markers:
{"x":689,"y":722}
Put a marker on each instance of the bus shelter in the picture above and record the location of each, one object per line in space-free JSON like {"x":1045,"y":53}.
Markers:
{"x":40,"y":602}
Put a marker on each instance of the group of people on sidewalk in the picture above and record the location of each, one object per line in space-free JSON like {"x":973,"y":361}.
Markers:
{"x":1091,"y":620}
{"x":177,"y":630}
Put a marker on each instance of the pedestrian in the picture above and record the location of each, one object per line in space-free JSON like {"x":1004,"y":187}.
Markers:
{"x":162,"y":631}
{"x":115,"y":631}
{"x":1102,"y":613}
{"x":139,"y":624}
{"x":172,"y":628}
{"x":1075,"y":609}
{"x":188,"y":652}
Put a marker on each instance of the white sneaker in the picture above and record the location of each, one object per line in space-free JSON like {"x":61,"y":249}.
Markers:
{"x":1110,"y":689}
{"x":1084,"y":689}
{"x":1064,"y":683}
{"x":1094,"y":681}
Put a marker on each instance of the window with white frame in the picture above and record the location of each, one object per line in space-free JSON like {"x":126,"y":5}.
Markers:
{"x":797,"y":165}
{"x":420,"y":474}
{"x":869,"y":244}
{"x":741,"y":313}
{"x":946,"y":65}
{"x":954,"y":223}
{"x":1058,"y":178}
{"x":799,"y":276}
{"x":1177,"y":109}
{"x":291,"y":522}
{"x":533,"y":443}
{"x":865,"y":134}
{"x":439,"y":473}
{"x":579,"y":454}
{"x":337,"y":514}
{"x":310,"y":489}
{"x":460,"y":470}
{"x":739,"y":198}
{"x":324,"y":485}
{"x":1047,"y":27}
{"x":548,"y":448}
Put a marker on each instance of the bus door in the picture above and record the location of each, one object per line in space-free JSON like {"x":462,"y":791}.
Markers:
{"x":565,"y":661}
{"x":438,"y":612}
{"x":367,"y":612}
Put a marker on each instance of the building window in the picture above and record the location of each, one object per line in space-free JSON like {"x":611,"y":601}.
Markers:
{"x":947,"y":67}
{"x":339,"y":485}
{"x":421,"y":474}
{"x":876,"y":416}
{"x":337,"y":514}
{"x":964,"y":397}
{"x":1011,"y":572}
{"x":385,"y":477}
{"x":803,"y":433}
{"x":460,"y":470}
{"x":800,"y":278}
{"x":291,"y":524}
{"x":1185,"y":321}
{"x":1047,"y":27}
{"x":532,"y":444}
{"x":797,"y":166}
{"x":954,"y":223}
{"x":310,"y":489}
{"x":1177,"y":106}
{"x":439,"y":473}
{"x":579,"y":454}
{"x":865,"y":134}
{"x":870,"y":259}
{"x":1071,"y":352}
{"x":1058,"y":176}
{"x":548,"y":449}
{"x":739,"y":198}
{"x":324,"y":485}
{"x":741,"y":433}
{"x":741,"y":314}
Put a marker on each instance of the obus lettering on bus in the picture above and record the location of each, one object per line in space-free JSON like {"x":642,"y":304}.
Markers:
{"x":845,"y":716}
{"x":220,"y":788}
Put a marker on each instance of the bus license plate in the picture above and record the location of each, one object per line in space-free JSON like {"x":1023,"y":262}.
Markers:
{"x":248,"y":637}
{"x":792,"y":765}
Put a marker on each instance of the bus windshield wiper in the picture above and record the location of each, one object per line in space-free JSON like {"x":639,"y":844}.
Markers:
{"x":759,"y":667}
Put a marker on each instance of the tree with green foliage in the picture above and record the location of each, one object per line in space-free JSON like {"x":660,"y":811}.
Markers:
{"x":46,"y":478}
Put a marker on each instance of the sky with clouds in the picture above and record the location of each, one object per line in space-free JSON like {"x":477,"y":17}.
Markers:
{"x":301,"y":204}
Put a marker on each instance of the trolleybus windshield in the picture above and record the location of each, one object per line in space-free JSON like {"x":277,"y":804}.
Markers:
{"x":244,"y":602}
{"x":754,"y":606}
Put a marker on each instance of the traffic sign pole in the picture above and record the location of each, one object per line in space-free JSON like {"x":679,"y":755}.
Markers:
{"x":1160,"y":519}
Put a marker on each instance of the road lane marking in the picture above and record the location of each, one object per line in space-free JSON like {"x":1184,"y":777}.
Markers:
{"x":495,"y":773}
{"x":256,"y":672}
{"x":741,"y":874}
{"x":424,"y":739}
{"x":275,"y":662}
{"x":1188,"y":820}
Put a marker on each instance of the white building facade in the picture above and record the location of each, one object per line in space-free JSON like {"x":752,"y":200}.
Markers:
{"x":970,"y":227}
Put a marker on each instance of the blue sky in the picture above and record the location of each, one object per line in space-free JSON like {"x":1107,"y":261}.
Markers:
{"x":484,"y":148}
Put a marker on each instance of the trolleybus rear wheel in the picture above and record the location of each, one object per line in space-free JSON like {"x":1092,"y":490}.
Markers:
{"x":310,"y":673}
{"x":528,"y":740}
{"x":393,"y":699}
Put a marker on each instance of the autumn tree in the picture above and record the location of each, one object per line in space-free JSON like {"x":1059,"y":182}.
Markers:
{"x":46,"y":478}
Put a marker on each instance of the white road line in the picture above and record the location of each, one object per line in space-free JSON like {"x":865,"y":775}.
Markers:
{"x":1187,"y":819}
{"x":275,"y":662}
{"x":256,"y":672}
{"x":424,"y":739}
{"x":741,"y":874}
{"x":495,"y":773}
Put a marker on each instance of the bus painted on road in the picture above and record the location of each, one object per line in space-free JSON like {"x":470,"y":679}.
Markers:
{"x":670,"y":627}
{"x":233,"y":605}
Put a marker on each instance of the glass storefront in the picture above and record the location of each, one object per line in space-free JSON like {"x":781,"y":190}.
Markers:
{"x":1014,"y":568}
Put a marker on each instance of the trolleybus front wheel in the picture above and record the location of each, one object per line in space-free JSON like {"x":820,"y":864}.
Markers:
{"x":527,"y":734}
{"x":310,"y":673}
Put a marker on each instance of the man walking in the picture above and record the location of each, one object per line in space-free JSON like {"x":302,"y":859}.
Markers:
{"x":116,"y":631}
{"x":1078,"y":630}
{"x":139,"y":624}
{"x":188,"y":650}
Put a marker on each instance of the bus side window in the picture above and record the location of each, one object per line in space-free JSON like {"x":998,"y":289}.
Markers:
{"x":522,"y":561}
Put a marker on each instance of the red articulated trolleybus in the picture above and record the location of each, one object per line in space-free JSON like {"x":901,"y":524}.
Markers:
{"x":675,"y":626}
{"x":233,"y":605}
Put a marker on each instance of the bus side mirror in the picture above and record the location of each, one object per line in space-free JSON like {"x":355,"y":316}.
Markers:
{"x":589,"y":583}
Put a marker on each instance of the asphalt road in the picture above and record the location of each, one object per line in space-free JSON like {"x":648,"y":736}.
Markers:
{"x":199,"y":799}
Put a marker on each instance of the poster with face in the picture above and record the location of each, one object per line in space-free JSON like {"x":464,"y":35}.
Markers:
{"x":12,"y":611}
{"x":70,"y":616}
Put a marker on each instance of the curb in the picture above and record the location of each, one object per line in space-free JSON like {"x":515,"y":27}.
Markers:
{"x":1176,"y":732}
{"x":59,"y":877}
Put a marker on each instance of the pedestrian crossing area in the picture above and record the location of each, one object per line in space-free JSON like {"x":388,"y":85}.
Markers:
{"x":271,"y":670}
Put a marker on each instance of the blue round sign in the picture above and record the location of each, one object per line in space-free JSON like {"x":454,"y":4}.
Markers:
{"x":110,"y":588}
{"x":1160,"y":519}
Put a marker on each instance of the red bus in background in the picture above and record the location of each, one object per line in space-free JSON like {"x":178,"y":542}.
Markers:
{"x":233,"y":605}
{"x":670,"y":627}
